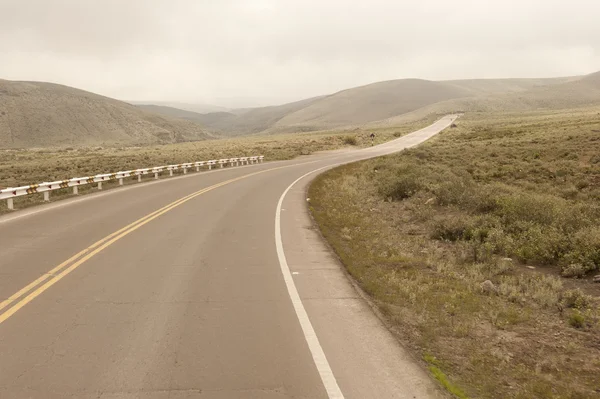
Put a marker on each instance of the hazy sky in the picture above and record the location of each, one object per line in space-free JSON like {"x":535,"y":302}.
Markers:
{"x":252,"y":52}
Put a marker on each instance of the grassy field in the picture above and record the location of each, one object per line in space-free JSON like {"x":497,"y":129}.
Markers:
{"x":479,"y":248}
{"x":28,"y":166}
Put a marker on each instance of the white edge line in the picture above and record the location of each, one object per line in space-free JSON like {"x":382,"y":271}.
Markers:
{"x":325,"y":372}
{"x":323,"y":367}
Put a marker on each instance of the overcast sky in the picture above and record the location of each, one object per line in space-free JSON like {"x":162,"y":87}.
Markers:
{"x":254,"y":52}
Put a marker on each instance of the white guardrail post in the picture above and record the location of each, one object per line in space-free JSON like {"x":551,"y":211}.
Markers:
{"x":10,"y":193}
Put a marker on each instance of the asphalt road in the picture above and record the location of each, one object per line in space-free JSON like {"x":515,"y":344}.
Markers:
{"x":210,"y":285}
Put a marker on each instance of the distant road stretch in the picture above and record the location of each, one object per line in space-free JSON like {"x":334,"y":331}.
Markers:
{"x":209,"y":285}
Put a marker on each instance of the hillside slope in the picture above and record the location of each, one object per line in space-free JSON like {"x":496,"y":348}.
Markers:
{"x":368,"y":104}
{"x":38,"y":114}
{"x":172,"y":112}
{"x":252,"y":120}
{"x":479,"y":87}
{"x":372,"y":102}
{"x":196,"y":108}
{"x":568,"y":93}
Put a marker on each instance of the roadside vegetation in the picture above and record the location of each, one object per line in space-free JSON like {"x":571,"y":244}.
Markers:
{"x":30,"y":166}
{"x":480,"y":248}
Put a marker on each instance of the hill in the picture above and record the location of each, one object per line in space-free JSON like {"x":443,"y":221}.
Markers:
{"x":44,"y":114}
{"x":252,"y":120}
{"x":39,"y":114}
{"x":372,"y":103}
{"x":172,"y":112}
{"x":479,"y":87}
{"x":562,"y":94}
{"x":196,"y":108}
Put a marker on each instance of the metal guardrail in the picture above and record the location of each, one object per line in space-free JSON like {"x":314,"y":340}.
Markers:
{"x":9,"y":193}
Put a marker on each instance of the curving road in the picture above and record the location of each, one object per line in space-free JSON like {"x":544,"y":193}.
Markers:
{"x":209,"y":285}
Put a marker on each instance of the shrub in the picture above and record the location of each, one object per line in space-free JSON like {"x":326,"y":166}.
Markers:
{"x":485,"y":199}
{"x":582,"y":184}
{"x":573,"y":270}
{"x":585,"y":250}
{"x":576,"y":299}
{"x":404,"y":187}
{"x":527,"y":207}
{"x":455,"y":190}
{"x":400,"y":183}
{"x":452,"y":228}
{"x":349,"y":140}
{"x":499,"y":242}
{"x":577,"y":319}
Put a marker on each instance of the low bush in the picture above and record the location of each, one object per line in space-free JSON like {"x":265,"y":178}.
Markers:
{"x":349,"y":140}
{"x":576,"y":299}
{"x":577,"y":319}
{"x":452,"y":228}
{"x":400,"y":188}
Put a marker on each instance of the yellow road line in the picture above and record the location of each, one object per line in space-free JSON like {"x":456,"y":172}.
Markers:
{"x":54,"y":271}
{"x":54,"y":276}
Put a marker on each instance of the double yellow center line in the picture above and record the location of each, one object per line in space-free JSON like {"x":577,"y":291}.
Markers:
{"x":18,"y":300}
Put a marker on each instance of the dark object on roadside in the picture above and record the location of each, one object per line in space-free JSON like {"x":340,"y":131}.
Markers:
{"x":372,"y":135}
{"x":453,"y":125}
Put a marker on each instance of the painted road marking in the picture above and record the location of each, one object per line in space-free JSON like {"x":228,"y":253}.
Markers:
{"x":323,"y":367}
{"x":54,"y":271}
{"x":55,"y":275}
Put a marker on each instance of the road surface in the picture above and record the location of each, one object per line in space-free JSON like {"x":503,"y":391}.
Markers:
{"x":209,"y":285}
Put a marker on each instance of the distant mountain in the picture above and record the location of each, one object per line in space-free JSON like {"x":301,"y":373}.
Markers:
{"x":253,"y":120}
{"x":197,"y":108}
{"x":172,"y":112}
{"x":38,"y":114}
{"x":375,"y":102}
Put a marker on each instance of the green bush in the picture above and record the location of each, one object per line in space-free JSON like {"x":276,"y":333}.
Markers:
{"x":455,"y":190}
{"x":538,"y":244}
{"x":585,"y":250}
{"x":453,"y":228}
{"x":527,"y":207}
{"x":577,"y":319}
{"x":400,"y":183}
{"x":576,"y":299}
{"x":403,"y":187}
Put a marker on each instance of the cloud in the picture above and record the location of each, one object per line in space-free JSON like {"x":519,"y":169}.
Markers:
{"x":261,"y":51}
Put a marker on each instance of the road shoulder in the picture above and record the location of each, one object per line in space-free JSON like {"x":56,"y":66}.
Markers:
{"x":366,"y":359}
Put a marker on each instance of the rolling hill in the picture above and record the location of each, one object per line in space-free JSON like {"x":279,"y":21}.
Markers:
{"x":174,"y":112}
{"x":384,"y":101}
{"x":563,"y":94}
{"x":35,"y":114}
{"x":38,"y":114}
{"x":194,"y":108}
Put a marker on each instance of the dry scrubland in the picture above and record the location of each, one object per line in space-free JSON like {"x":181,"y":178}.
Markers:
{"x":28,"y":166}
{"x":39,"y":114}
{"x":427,"y":234}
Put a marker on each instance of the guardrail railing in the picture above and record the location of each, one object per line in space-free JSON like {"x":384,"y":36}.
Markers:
{"x":9,"y":193}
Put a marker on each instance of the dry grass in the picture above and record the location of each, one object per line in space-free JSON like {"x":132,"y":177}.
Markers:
{"x":23,"y":167}
{"x":422,"y":231}
{"x":38,"y":114}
